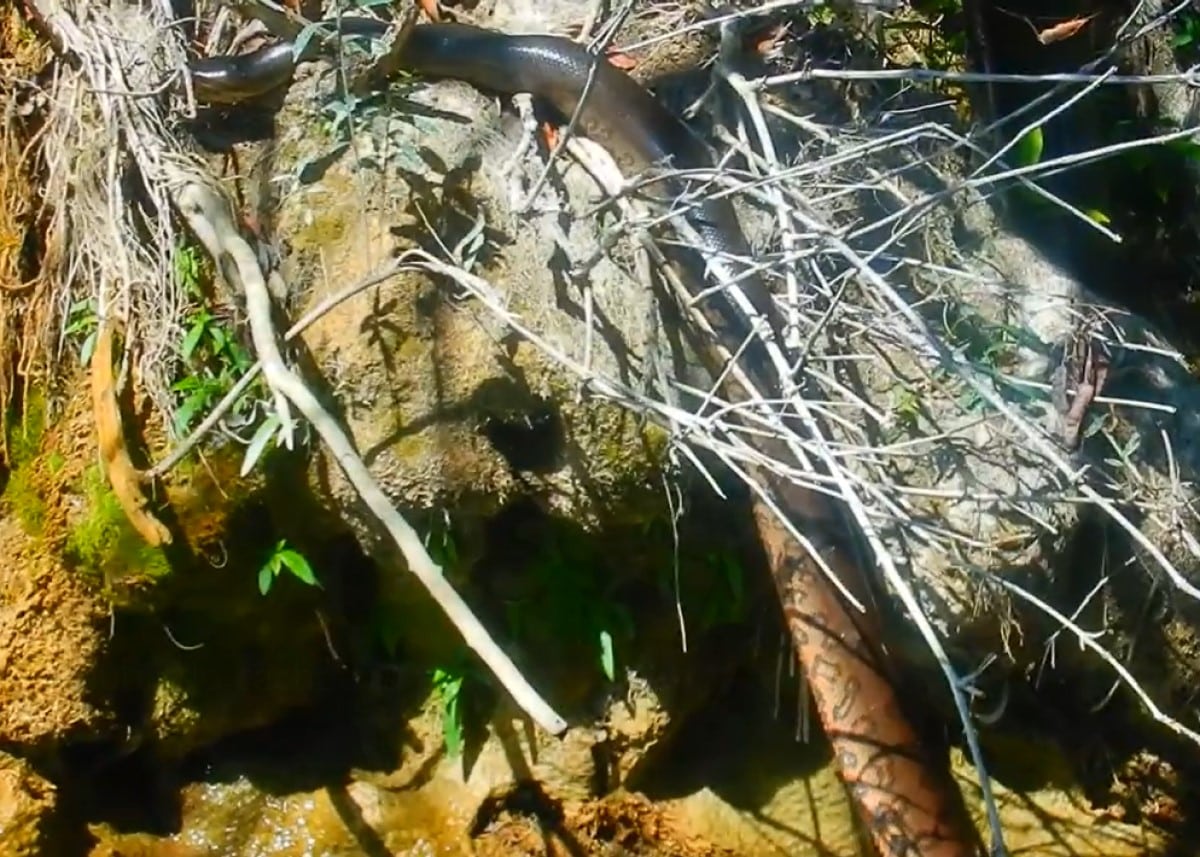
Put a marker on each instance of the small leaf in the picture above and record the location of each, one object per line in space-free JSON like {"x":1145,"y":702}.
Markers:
{"x":1028,"y":150}
{"x":298,"y":566}
{"x":311,"y":168}
{"x":265,"y":577}
{"x":259,"y":442}
{"x":241,"y":357}
{"x":218,"y":336}
{"x":452,"y":728}
{"x":187,"y":411}
{"x":342,"y":109}
{"x":303,"y":38}
{"x":89,"y":345}
{"x":1098,"y":216}
{"x":192,"y":340}
{"x":607,"y":658}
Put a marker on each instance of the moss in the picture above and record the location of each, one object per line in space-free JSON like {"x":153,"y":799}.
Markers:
{"x":328,"y":221}
{"x":23,"y":499}
{"x":22,"y":496}
{"x":172,"y":712}
{"x":55,"y":462}
{"x":411,"y":448}
{"x":25,"y":434}
{"x":104,"y":544}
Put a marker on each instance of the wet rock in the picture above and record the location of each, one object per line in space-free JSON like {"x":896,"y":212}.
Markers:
{"x":26,"y":802}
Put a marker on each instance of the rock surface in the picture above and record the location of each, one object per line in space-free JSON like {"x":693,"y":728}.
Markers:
{"x":26,"y":803}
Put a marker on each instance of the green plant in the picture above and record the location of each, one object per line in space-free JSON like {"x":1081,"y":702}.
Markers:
{"x":822,"y":16}
{"x":448,"y":685}
{"x":906,"y":407}
{"x":82,"y":321}
{"x":102,"y":544}
{"x":728,"y":605}
{"x":1187,"y":30}
{"x":439,"y":542}
{"x":212,"y":357}
{"x":991,"y":348}
{"x":1029,"y":148}
{"x":709,"y":589}
{"x":570,"y":604}
{"x":283,"y":558}
{"x":189,"y":266}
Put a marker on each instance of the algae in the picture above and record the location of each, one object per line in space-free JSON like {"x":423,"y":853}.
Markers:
{"x":104,"y":545}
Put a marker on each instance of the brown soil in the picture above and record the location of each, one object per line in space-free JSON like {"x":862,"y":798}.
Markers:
{"x":625,"y":824}
{"x":53,"y":626}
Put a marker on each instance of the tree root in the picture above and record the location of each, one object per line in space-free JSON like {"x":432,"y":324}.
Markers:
{"x":124,"y":478}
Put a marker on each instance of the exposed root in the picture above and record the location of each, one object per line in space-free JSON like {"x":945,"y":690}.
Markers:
{"x":24,"y":296}
{"x":114,"y":456}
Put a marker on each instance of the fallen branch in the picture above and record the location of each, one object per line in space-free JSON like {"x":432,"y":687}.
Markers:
{"x":209,"y":214}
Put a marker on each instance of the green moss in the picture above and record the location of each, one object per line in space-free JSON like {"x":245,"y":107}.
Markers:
{"x":26,"y":432}
{"x":411,"y":448}
{"x":104,"y":544}
{"x":22,"y":499}
{"x":329,"y":221}
{"x":22,"y":496}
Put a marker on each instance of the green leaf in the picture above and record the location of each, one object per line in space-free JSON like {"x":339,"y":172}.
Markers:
{"x":1028,"y":150}
{"x":452,"y":728}
{"x":1186,"y":147}
{"x":187,"y":411}
{"x":303,"y":38}
{"x":259,"y":442}
{"x":84,"y":316}
{"x":89,"y":345}
{"x":607,"y":658}
{"x":241,"y":357}
{"x":1098,"y":216}
{"x":218,"y":336}
{"x":265,"y":578}
{"x":298,"y":566}
{"x":448,"y":686}
{"x":192,"y":340}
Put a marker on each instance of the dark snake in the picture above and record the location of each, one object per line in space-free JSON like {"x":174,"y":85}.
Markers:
{"x":618,"y":113}
{"x":908,"y":808}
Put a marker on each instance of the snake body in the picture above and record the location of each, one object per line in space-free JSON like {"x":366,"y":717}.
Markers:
{"x":618,"y":113}
{"x":907,"y":812}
